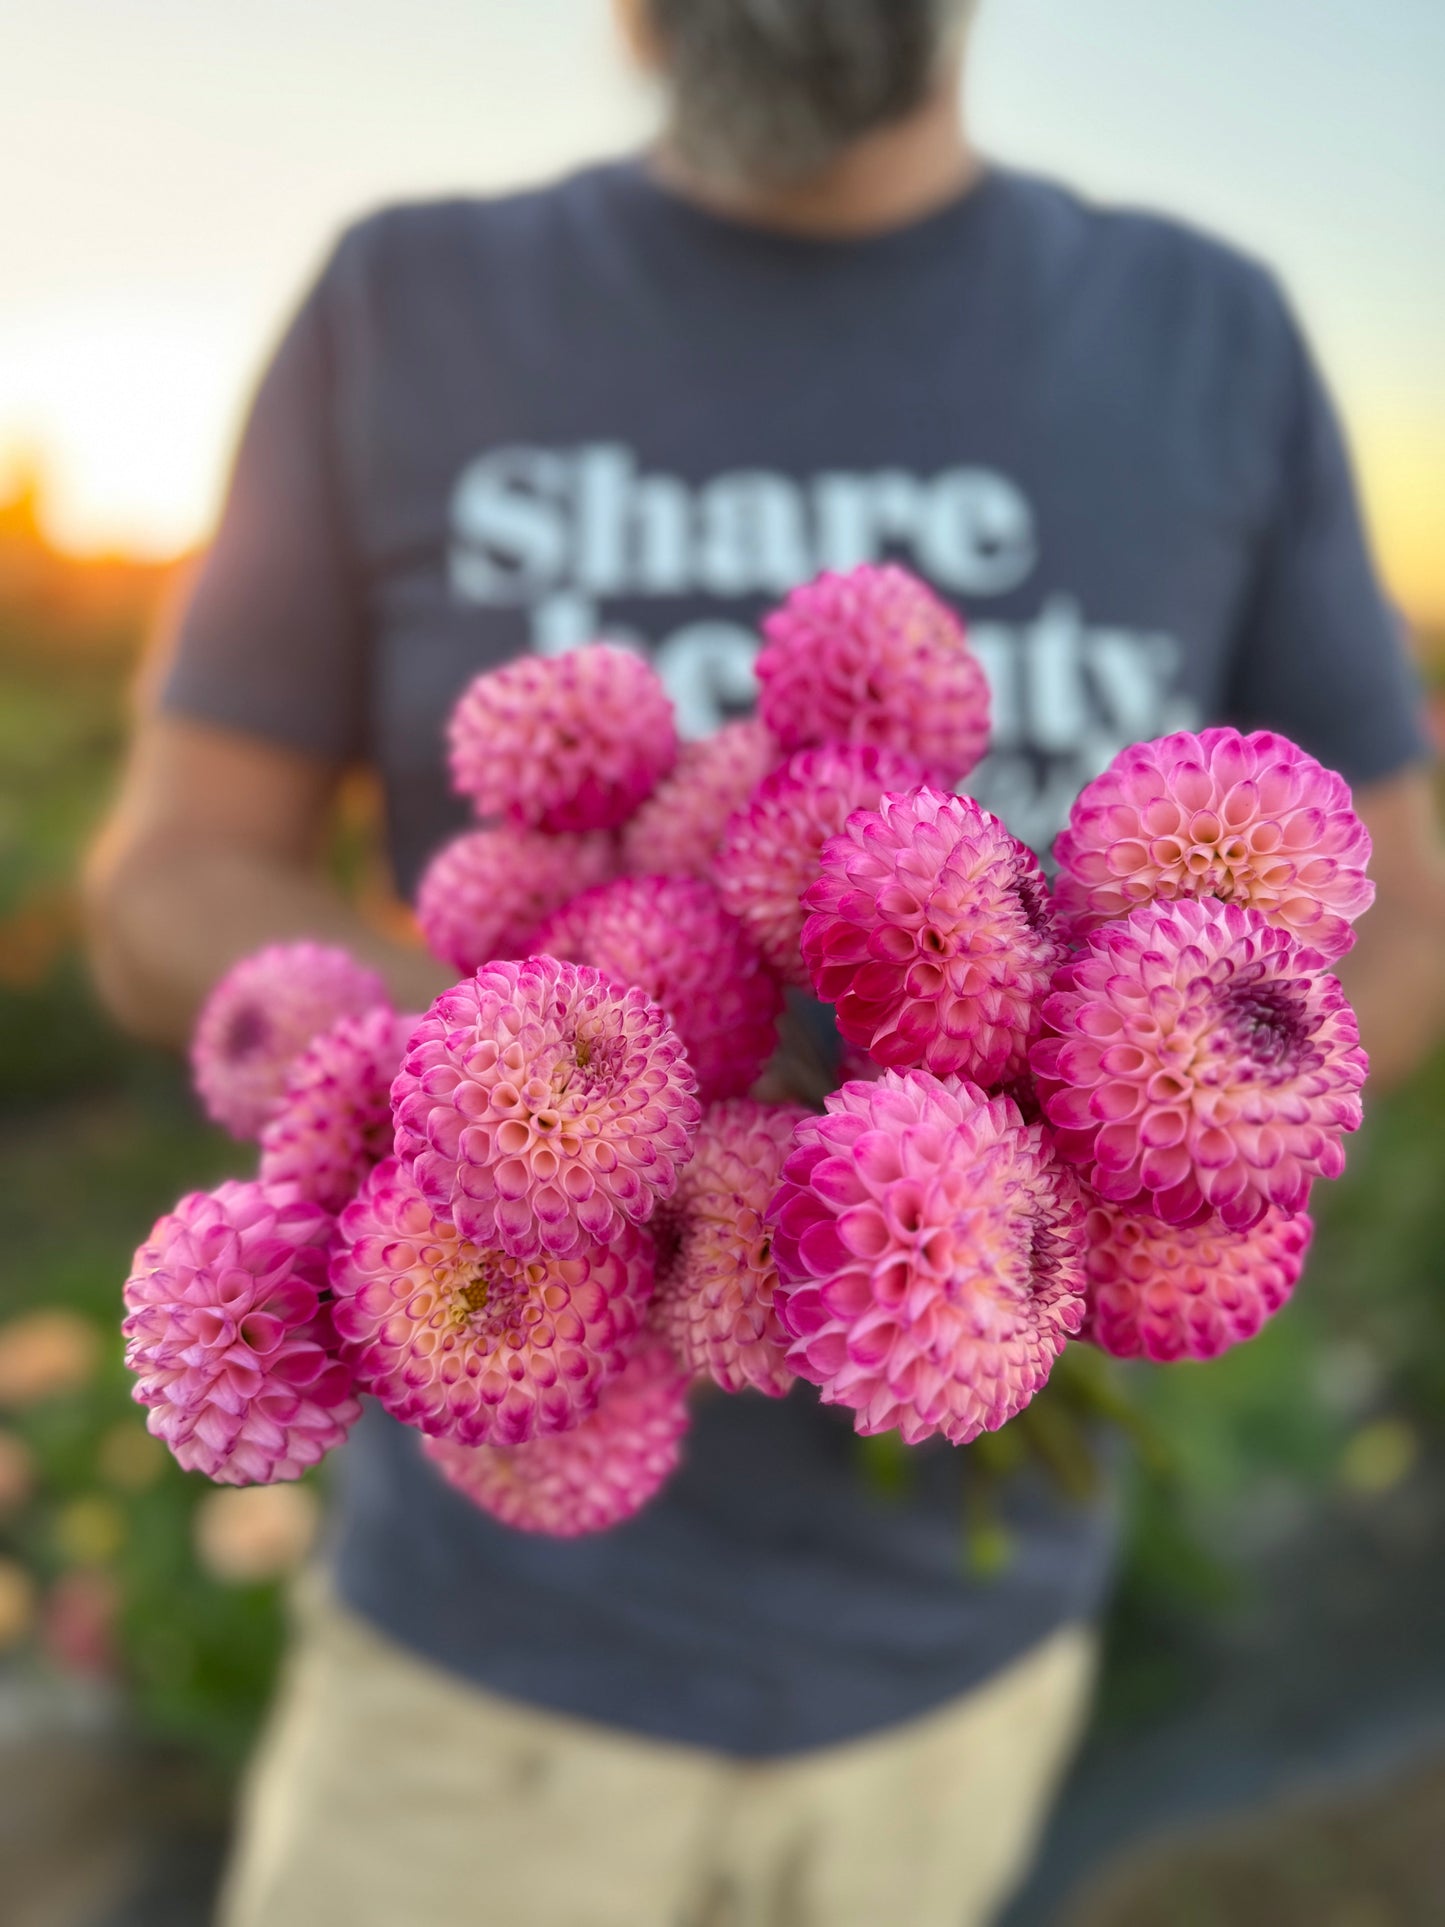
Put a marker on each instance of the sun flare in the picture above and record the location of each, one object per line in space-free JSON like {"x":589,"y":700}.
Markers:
{"x":126,"y":403}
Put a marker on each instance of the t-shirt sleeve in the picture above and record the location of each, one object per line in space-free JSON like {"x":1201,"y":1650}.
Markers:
{"x":270,"y":637}
{"x":1322,"y":654}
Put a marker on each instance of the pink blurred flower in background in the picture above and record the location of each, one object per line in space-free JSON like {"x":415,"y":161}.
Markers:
{"x":334,"y":1120}
{"x":678,"y":830}
{"x":874,"y":656}
{"x":261,"y":1016}
{"x":572,"y":742}
{"x":484,"y":894}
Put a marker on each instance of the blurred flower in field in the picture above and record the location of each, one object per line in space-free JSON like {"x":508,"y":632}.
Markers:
{"x":1379,"y":1456}
{"x":45,"y":1353}
{"x":17,"y":1604}
{"x":17,"y":1473}
{"x":129,"y":1458}
{"x":246,"y":1534}
{"x":89,"y":1531}
{"x":77,"y":1623}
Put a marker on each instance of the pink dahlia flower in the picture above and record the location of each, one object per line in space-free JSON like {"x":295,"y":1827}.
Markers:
{"x":678,"y":829}
{"x":1248,"y":819}
{"x":672,"y":938}
{"x":930,"y":1253}
{"x":597,"y":1475}
{"x":930,"y":929}
{"x":714,"y":1299}
{"x":543,"y":1108}
{"x":261,"y":1015}
{"x":1197,"y":1059}
{"x":484,"y":894}
{"x":230,"y":1339}
{"x":570,"y":742}
{"x":467,"y":1343}
{"x":1164,"y":1292}
{"x":335,"y":1123}
{"x":771,"y":847}
{"x":873,"y":656}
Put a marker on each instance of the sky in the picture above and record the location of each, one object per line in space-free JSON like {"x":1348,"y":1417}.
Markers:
{"x":174,"y":169}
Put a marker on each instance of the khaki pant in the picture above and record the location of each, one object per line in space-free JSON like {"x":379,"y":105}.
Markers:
{"x":389,"y":1794}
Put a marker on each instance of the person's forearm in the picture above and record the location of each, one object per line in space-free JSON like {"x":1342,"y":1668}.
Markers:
{"x":1395,"y":975}
{"x":1395,"y":978}
{"x":163,"y":929}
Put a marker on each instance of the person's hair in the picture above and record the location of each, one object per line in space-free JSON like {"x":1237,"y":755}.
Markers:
{"x":774,"y":89}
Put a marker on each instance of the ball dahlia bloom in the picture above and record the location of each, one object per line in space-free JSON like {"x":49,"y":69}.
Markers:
{"x":335,"y":1123}
{"x":672,"y":938}
{"x":677,"y":830}
{"x":543,"y":1108}
{"x":771,"y":847}
{"x":1197,"y":1060}
{"x":930,"y":1256}
{"x":261,"y":1015}
{"x":483,"y":895}
{"x":602,"y":1472}
{"x":714,"y":1299}
{"x":929,"y":927}
{"x":230,"y":1338}
{"x":468,"y":1343}
{"x":571,"y":742}
{"x":1247,"y":819}
{"x":1166,"y":1291}
{"x":874,"y":656}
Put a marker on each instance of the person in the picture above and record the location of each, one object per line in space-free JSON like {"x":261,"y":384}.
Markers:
{"x":812,"y":327}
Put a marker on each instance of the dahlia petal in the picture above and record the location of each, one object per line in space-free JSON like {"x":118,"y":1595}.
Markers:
{"x":256,"y":1400}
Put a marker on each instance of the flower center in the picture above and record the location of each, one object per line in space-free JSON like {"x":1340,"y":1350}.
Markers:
{"x":246,"y":1033}
{"x":1267,"y":1024}
{"x":1034,"y":904}
{"x":475,"y":1292}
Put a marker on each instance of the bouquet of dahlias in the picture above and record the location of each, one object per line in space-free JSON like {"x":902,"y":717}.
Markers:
{"x":528,"y":1220}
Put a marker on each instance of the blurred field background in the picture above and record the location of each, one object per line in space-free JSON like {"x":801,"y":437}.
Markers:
{"x":1275,"y":1657}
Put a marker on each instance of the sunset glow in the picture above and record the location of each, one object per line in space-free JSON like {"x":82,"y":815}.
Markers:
{"x":126,"y":405}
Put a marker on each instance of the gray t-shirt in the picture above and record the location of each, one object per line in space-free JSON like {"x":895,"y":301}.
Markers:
{"x":506,"y":425}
